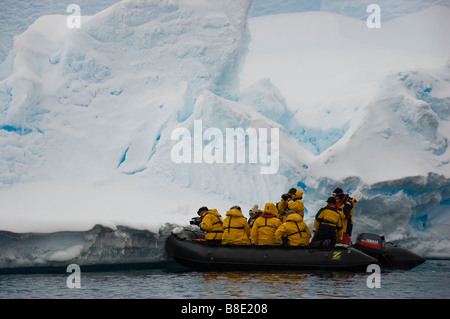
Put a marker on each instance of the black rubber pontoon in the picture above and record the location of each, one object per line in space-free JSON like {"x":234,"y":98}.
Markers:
{"x":189,"y":250}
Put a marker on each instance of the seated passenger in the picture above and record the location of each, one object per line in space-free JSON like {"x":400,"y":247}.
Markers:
{"x":235,"y":228}
{"x":254,"y":213}
{"x":263,"y":230}
{"x":297,"y":206}
{"x":294,"y":230}
{"x":211,"y":224}
{"x":327,"y":225}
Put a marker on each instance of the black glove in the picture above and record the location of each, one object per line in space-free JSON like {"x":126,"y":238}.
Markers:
{"x":196,"y":221}
{"x":285,"y":197}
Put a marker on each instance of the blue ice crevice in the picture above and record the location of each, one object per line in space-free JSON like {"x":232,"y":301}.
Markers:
{"x":124,"y":157}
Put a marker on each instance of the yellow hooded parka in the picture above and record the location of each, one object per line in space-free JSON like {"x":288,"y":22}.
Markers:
{"x":236,"y":230}
{"x":263,"y":230}
{"x":212,"y":225}
{"x":294,"y":229}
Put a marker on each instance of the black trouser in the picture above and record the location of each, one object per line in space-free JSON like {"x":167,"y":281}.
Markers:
{"x":324,"y":233}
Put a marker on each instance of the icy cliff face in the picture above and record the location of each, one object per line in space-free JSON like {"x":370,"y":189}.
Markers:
{"x":87,"y":118}
{"x":97,"y":246}
{"x":403,"y":130}
{"x":109,"y":95}
{"x":121,"y":77}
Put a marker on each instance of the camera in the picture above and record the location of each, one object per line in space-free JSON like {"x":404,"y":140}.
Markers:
{"x":195,"y":221}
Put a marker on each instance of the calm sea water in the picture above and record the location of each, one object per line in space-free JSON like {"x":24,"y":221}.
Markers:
{"x":429,"y":280}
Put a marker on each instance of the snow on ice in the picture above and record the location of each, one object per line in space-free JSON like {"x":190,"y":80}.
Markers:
{"x":87,"y":115}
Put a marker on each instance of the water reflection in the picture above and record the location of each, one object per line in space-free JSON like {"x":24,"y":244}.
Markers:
{"x":429,"y":280}
{"x":276,"y":284}
{"x":338,"y":284}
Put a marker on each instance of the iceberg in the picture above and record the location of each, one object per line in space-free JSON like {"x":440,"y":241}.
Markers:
{"x":87,"y":117}
{"x":97,"y":248}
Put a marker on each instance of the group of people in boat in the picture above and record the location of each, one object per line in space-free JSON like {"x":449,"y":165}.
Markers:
{"x":281,"y":223}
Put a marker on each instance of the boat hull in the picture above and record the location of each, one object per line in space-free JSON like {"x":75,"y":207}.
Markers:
{"x":194,"y":254}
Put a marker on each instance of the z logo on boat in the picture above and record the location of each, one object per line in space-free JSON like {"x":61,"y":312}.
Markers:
{"x":337,"y":255}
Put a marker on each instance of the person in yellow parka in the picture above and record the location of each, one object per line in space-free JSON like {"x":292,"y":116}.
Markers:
{"x":327,"y":225}
{"x":297,"y":206}
{"x":236,"y":230}
{"x":263,"y":230}
{"x":211,"y":224}
{"x":294,"y":230}
{"x":293,"y":195}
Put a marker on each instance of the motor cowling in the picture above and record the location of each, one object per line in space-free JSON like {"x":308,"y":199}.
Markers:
{"x":371,"y":244}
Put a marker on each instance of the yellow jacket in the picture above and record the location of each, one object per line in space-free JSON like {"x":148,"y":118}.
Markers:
{"x":263,"y":230}
{"x":295,"y":230}
{"x":297,"y":206}
{"x":297,"y":198}
{"x":212,"y":225}
{"x":235,"y":229}
{"x":328,"y":216}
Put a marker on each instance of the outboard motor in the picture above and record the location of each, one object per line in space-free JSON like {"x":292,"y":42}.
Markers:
{"x":370,"y":244}
{"x":388,"y":254}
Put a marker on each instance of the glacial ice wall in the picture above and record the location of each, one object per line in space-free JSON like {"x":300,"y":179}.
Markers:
{"x":120,"y":77}
{"x":97,"y":246}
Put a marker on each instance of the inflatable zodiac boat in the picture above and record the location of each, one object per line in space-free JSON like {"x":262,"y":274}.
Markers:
{"x":189,"y":249}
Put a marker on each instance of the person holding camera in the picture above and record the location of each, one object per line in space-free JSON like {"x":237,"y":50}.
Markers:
{"x":210,"y":222}
{"x":292,"y":196}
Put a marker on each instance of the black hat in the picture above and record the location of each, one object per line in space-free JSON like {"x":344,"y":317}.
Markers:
{"x":292,"y":191}
{"x":338,"y":191}
{"x":202,"y":209}
{"x":331,"y":200}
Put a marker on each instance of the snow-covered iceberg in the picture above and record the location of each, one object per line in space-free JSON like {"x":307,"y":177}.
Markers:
{"x":87,"y":118}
